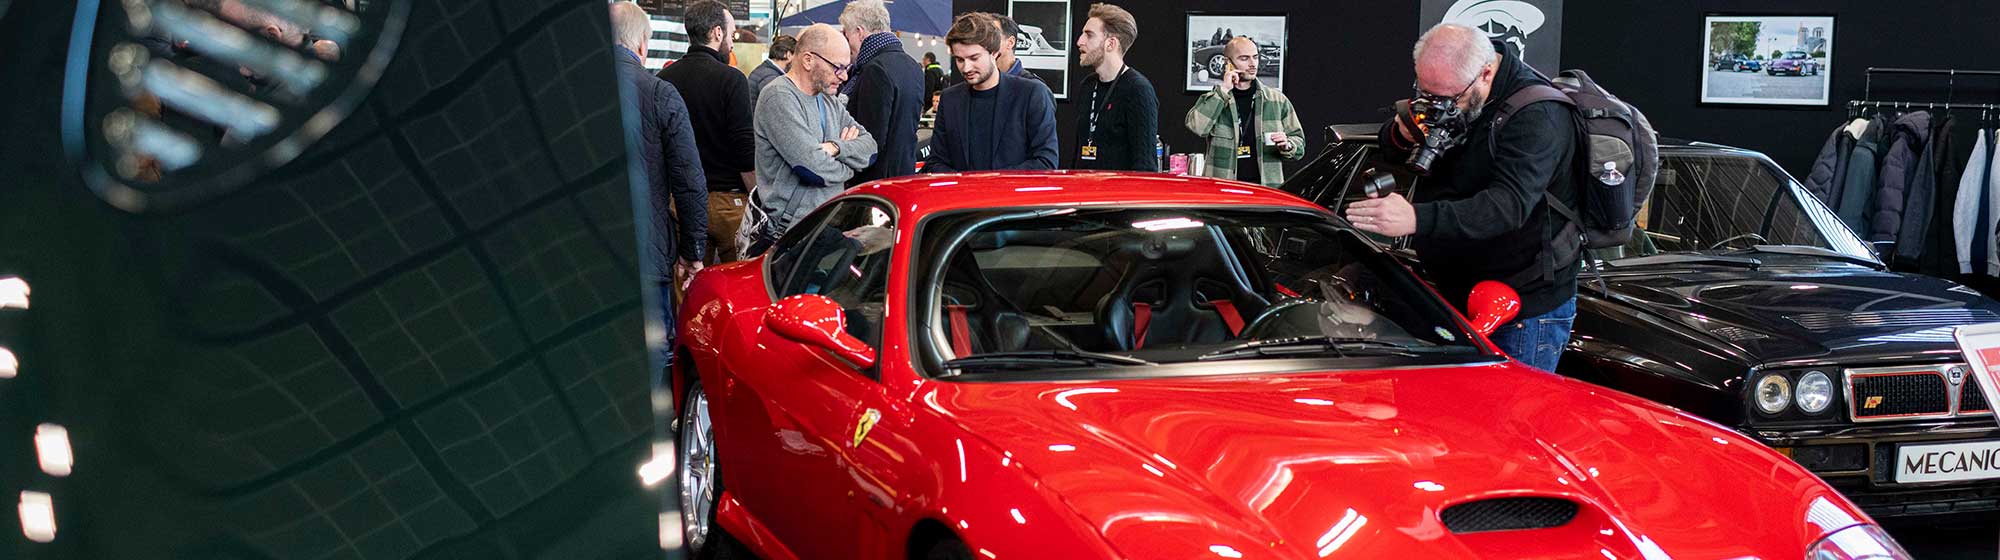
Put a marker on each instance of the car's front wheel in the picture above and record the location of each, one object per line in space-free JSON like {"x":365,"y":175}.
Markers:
{"x":1216,"y":65}
{"x":699,"y":482}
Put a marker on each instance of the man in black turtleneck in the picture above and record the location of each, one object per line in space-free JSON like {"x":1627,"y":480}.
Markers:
{"x":718,"y":100}
{"x":1483,"y":212}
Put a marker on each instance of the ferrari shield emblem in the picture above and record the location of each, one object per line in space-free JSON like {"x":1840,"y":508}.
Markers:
{"x":863,"y":426}
{"x":1872,"y":402}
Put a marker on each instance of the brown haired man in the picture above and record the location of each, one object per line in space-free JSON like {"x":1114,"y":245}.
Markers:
{"x":1119,"y":127}
{"x":994,"y":120}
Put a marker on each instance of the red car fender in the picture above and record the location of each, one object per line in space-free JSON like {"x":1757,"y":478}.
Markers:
{"x":997,"y":505}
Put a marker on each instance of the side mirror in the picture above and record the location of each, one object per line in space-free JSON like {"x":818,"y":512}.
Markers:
{"x":817,"y":321}
{"x":1492,"y":304}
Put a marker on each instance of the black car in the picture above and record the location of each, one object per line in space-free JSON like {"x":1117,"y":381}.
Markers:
{"x":1738,"y":63}
{"x":1748,"y":302}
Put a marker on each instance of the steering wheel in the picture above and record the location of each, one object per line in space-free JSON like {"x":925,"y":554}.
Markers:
{"x":1724,"y":243}
{"x":1277,"y":308}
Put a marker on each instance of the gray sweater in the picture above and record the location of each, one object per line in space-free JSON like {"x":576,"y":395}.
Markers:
{"x":793,"y":174}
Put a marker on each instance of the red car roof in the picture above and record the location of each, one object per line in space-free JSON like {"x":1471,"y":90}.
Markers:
{"x":925,"y":194}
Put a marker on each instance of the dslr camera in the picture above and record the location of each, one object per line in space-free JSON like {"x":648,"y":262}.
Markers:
{"x":1440,"y":120}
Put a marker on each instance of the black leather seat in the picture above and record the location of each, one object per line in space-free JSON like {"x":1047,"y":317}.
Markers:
{"x":990,"y":322}
{"x":1178,"y":281}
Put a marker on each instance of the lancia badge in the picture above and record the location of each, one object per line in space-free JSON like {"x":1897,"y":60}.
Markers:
{"x":1873,"y":402}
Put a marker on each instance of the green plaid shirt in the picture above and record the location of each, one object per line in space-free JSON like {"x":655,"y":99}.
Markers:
{"x":1214,"y":117}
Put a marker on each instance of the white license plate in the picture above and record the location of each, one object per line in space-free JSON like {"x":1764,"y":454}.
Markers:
{"x":1950,"y":462}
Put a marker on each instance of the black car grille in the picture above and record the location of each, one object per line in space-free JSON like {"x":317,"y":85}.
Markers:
{"x":1901,"y":394}
{"x":1970,"y":398}
{"x":1907,"y":318}
{"x":1508,"y":514}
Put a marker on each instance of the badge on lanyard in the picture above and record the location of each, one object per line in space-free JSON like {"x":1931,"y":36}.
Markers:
{"x":1242,"y":151}
{"x":1089,"y":152}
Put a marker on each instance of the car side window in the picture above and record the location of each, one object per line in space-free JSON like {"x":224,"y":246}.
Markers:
{"x":844,"y":255}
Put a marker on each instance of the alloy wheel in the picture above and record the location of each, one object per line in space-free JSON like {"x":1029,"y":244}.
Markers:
{"x":697,"y":469}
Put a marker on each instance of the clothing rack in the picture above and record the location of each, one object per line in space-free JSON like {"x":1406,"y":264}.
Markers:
{"x":1951,"y":87}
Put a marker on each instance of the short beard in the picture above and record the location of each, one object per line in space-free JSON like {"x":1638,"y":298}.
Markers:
{"x":1088,"y":61}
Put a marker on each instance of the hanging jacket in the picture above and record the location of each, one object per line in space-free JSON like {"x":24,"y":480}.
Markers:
{"x":1829,"y":170}
{"x":1912,"y":131}
{"x":1863,"y":167}
{"x":1975,"y":192}
{"x":1937,"y":187}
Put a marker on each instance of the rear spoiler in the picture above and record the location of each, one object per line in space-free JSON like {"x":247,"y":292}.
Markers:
{"x":1353,"y":132}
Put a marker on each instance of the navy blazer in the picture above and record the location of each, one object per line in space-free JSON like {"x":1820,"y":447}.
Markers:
{"x":1024,"y":128}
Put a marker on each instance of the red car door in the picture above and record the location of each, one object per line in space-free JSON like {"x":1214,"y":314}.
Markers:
{"x":801,"y":411}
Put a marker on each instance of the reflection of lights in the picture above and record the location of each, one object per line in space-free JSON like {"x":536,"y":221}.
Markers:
{"x":961,"y":460}
{"x":1429,"y":486}
{"x":1164,"y":461}
{"x":1037,"y":189}
{"x":1166,"y":224}
{"x":1593,"y":472}
{"x":1314,"y":402}
{"x":1062,"y":448}
{"x":1018,"y":518}
{"x":1804,"y":287}
{"x":656,"y":470}
{"x":9,"y":365}
{"x":1237,"y":191}
{"x":1224,"y":551}
{"x":1562,"y":480}
{"x":38,"y":516}
{"x":1063,"y":397}
{"x":1719,"y":441}
{"x":670,"y":531}
{"x":1607,"y":554}
{"x":987,"y":553}
{"x":944,"y":183}
{"x":963,"y":525}
{"x":13,"y":293}
{"x":1155,"y":470}
{"x":52,"y":447}
{"x":1828,"y":516}
{"x":1340,"y":532}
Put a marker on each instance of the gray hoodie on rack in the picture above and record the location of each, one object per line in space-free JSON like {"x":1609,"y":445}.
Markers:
{"x":793,"y":174}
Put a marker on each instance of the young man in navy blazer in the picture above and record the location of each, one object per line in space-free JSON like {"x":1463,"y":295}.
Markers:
{"x":993,"y":120}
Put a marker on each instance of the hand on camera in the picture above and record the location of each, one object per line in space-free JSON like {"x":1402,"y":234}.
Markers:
{"x":1406,"y":122}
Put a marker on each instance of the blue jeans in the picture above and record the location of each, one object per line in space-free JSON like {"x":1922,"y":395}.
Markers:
{"x":1537,"y":341}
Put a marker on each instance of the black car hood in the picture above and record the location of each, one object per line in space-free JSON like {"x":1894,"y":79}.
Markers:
{"x":1779,"y":313}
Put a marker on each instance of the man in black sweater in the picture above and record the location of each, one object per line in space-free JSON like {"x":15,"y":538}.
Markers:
{"x":1483,"y":212}
{"x":994,"y":120}
{"x":718,"y":100}
{"x":1119,"y":126}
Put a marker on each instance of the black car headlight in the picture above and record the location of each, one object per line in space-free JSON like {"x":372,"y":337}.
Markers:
{"x":1814,"y":393}
{"x":1773,"y":394}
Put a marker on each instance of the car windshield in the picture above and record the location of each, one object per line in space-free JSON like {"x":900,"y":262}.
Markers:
{"x":1171,"y":285}
{"x":1721,"y":202}
{"x":1795,"y":55}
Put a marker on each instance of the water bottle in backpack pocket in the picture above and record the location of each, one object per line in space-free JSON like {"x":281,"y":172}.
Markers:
{"x":1617,"y":156}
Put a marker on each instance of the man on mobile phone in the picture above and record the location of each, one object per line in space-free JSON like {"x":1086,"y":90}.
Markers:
{"x":1251,"y":128}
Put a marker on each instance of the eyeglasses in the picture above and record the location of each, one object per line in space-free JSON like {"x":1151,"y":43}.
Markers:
{"x":837,"y":68}
{"x":1420,"y":93}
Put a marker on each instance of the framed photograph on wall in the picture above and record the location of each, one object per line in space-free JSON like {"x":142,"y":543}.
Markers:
{"x":1043,"y":44}
{"x":1767,"y":59}
{"x":1207,"y":35}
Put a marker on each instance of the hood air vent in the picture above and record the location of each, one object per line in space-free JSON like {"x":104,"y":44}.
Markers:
{"x":1508,"y":514}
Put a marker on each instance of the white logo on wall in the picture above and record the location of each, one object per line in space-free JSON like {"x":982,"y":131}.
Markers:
{"x":1507,"y":20}
{"x":1533,"y":26}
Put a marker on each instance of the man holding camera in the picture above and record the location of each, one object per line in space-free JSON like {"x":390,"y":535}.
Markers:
{"x":1483,"y":212}
{"x":1251,"y":128}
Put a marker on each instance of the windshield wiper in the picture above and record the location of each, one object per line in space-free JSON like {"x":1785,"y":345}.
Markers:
{"x":1038,"y":359}
{"x":1343,"y":347}
{"x":1809,"y":251}
{"x":1686,"y":258}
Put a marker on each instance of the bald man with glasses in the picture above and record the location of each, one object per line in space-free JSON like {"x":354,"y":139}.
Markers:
{"x":808,"y":147}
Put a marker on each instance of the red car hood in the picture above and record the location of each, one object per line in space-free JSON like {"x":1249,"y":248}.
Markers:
{"x":1358,"y":464}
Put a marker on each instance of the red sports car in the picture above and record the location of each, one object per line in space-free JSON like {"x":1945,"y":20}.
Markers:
{"x":1041,"y":366}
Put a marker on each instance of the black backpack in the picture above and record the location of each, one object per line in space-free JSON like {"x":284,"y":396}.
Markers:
{"x":1609,"y":131}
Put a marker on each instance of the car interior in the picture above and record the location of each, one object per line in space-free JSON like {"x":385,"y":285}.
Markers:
{"x":1169,"y":285}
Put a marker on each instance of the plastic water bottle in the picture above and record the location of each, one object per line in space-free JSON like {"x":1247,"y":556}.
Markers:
{"x":1610,"y":175}
{"x":1159,"y":150}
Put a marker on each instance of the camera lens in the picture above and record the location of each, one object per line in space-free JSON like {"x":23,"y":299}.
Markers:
{"x":1376,"y":184}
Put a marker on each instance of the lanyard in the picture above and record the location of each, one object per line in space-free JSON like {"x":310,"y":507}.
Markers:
{"x":1095,"y":108}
